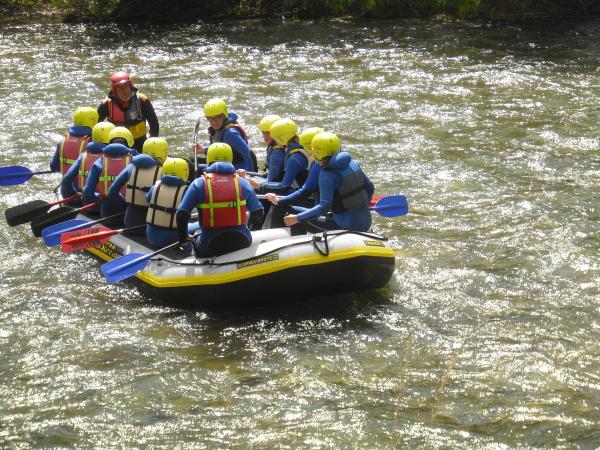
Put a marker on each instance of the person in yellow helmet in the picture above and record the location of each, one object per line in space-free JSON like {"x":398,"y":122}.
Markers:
{"x":343,"y":189}
{"x":115,"y":157}
{"x":222,"y":198}
{"x":138,"y":177}
{"x":75,"y":140}
{"x":126,"y":107}
{"x":275,"y":152}
{"x":224,"y":127}
{"x":76,"y":177}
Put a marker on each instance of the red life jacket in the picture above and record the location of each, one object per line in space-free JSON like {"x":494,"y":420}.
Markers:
{"x":223,"y":203}
{"x":133,"y":118}
{"x":70,"y":149}
{"x":112,"y":166}
{"x":87,"y":160}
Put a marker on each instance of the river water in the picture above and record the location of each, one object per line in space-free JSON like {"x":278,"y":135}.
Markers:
{"x":486,"y":337}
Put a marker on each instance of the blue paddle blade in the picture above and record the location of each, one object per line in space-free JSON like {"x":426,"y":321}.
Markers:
{"x":51,"y":234}
{"x":124,"y":266}
{"x":9,"y":176}
{"x":392,"y":206}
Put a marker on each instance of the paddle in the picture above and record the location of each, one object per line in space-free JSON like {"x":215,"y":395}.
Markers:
{"x":54,"y":216}
{"x":51,"y":234}
{"x":128,"y":265}
{"x":20,"y":214}
{"x":391,"y":206}
{"x":12,"y":175}
{"x":74,"y":241}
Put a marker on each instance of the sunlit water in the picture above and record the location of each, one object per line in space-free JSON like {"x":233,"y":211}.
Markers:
{"x":487,"y":335}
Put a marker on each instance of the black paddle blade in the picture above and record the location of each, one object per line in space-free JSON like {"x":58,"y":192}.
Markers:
{"x":53,"y":217}
{"x":20,"y":214}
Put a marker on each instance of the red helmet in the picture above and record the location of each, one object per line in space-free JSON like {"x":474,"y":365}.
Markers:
{"x":119,"y":78}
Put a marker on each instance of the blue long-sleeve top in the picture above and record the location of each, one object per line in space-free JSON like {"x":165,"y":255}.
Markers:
{"x":89,"y":191}
{"x":310,"y":185}
{"x":329,"y":181}
{"x":141,"y":161}
{"x":294,"y":163}
{"x":241,"y":151}
{"x":69,"y":184}
{"x":74,"y":130}
{"x":275,"y":162}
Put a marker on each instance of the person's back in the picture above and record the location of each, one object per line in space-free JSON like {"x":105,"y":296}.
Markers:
{"x":222,"y":198}
{"x":163,"y":199}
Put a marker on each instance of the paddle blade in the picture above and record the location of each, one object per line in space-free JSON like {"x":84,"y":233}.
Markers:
{"x":53,"y":217}
{"x":51,"y":234}
{"x":75,"y":241}
{"x":12,"y":175}
{"x":20,"y":214}
{"x":392,"y":206}
{"x":124,"y":267}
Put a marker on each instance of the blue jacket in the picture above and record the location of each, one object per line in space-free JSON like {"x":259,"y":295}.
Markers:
{"x":89,"y":190}
{"x":195,"y":195}
{"x":142,"y":161}
{"x":233,"y":137}
{"x":310,"y":186}
{"x":330,"y":180}
{"x":159,"y":236}
{"x":69,"y":184}
{"x":294,"y":163}
{"x":274,"y":161}
{"x":74,"y":130}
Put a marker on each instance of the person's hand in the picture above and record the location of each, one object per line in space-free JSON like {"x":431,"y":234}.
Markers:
{"x":242,"y":173}
{"x":291,"y":219}
{"x":187,"y":240}
{"x":198,"y":148}
{"x":273,"y":198}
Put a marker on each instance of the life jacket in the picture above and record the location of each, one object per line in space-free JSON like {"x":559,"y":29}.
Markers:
{"x":139,"y":183}
{"x":224,"y":205}
{"x":352,"y":193}
{"x":87,"y":161}
{"x":303,"y":174}
{"x":163,"y":205}
{"x":133,"y":118}
{"x":70,"y":149}
{"x":112,"y":166}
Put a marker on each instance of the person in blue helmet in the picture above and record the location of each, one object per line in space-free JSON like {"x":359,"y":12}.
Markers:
{"x":306,"y":196}
{"x":74,"y":180}
{"x":163,"y":199}
{"x":295,"y":160}
{"x":138,"y":177}
{"x":75,"y":140}
{"x":343,"y":189}
{"x":116,"y":156}
{"x":224,"y":127}
{"x":222,"y":198}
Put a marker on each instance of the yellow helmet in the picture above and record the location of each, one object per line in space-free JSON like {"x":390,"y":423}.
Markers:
{"x":266,"y":122}
{"x":215,"y":107}
{"x":101,"y":132}
{"x":156,"y":147}
{"x":325,"y":144}
{"x":307,"y":136}
{"x":283,"y":130}
{"x":121,"y":132}
{"x":85,"y":116}
{"x":219,"y":151}
{"x":176,"y":167}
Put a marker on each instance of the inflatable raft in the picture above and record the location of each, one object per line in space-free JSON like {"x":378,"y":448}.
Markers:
{"x":276,"y":267}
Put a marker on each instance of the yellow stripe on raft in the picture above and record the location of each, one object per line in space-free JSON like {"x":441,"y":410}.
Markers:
{"x":257,"y":270}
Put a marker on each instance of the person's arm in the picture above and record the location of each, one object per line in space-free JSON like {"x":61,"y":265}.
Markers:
{"x":276,"y":158}
{"x":102,"y":110}
{"x":121,"y":179}
{"x":310,"y":185}
{"x":68,"y":187}
{"x":55,"y":160}
{"x":241,"y":151}
{"x":150,"y":114}
{"x":294,"y":165}
{"x":252,"y":205}
{"x":326,"y":191}
{"x":192,"y":197}
{"x":89,"y":191}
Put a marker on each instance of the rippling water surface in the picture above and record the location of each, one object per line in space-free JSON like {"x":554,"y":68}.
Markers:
{"x":487,"y":335}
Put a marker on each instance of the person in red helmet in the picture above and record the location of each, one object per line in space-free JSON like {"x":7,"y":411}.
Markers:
{"x":126,"y":107}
